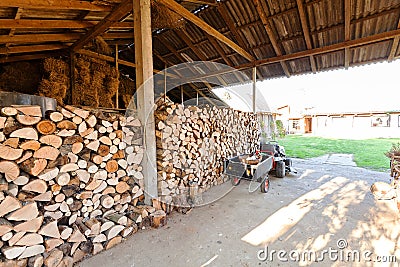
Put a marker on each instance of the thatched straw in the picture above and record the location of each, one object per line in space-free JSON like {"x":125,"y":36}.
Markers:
{"x":162,"y":17}
{"x":56,"y":90}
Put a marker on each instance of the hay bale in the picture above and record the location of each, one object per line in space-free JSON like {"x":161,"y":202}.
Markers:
{"x":162,"y":17}
{"x":56,"y":79}
{"x":100,"y":46}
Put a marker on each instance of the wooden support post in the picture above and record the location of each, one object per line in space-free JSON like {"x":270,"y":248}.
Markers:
{"x":145,"y":93}
{"x":254,"y":88}
{"x":116,"y":68}
{"x":197,"y":98}
{"x":165,"y":83}
{"x":182,"y":95}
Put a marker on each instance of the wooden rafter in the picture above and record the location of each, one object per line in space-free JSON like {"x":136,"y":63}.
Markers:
{"x":347,"y":35}
{"x":181,"y":58}
{"x":55,"y":4}
{"x":232,"y":27}
{"x":220,"y":51}
{"x":117,"y":14}
{"x":174,"y":6}
{"x":184,"y":36}
{"x":271,"y":35}
{"x":395,"y":45}
{"x":306,"y":32}
{"x":56,"y":24}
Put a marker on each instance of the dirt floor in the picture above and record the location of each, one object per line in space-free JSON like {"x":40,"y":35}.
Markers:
{"x":325,"y":212}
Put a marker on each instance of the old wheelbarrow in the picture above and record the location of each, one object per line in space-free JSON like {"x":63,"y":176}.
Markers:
{"x":252,"y":168}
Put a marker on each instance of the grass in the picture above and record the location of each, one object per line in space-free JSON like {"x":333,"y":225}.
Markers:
{"x":367,"y":153}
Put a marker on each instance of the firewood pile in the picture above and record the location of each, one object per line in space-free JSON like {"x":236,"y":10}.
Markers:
{"x":193,"y":142}
{"x":70,"y":184}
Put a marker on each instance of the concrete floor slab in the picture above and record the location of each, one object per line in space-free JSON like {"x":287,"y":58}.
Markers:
{"x":323,"y":207}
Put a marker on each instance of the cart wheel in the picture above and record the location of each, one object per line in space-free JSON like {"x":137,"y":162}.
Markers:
{"x":280,"y":169}
{"x":265,"y":185}
{"x":235,"y":181}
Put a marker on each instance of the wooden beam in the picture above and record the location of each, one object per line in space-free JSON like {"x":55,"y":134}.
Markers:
{"x":174,"y":6}
{"x":271,"y":35}
{"x":56,"y":37}
{"x":117,"y":14}
{"x":306,"y":32}
{"x":31,"y":49}
{"x":201,"y":2}
{"x":55,"y":4}
{"x":56,"y":24}
{"x":315,"y":51}
{"x":9,"y":59}
{"x":16,"y":18}
{"x":145,"y":96}
{"x":395,"y":45}
{"x":112,"y":59}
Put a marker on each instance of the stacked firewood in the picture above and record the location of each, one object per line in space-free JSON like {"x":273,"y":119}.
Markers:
{"x":70,"y":184}
{"x":193,"y":142}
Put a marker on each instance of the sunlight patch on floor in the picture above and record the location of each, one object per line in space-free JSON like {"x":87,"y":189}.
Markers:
{"x":285,"y":218}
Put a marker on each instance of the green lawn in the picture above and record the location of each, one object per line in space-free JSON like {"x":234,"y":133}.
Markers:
{"x":367,"y":153}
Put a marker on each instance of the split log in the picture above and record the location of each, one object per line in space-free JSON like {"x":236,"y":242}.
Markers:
{"x":49,"y":174}
{"x":8,"y":205}
{"x":30,"y":240}
{"x":54,"y":259}
{"x":80,"y":112}
{"x":33,"y":166}
{"x":32,"y":251}
{"x":9,"y":111}
{"x":29,"y":110}
{"x":56,"y":116}
{"x":25,"y":133}
{"x":53,"y":243}
{"x":13,"y":252}
{"x":26,"y":213}
{"x":47,"y":152}
{"x":27,"y":120}
{"x":45,"y":197}
{"x":51,"y":140}
{"x":67,"y":125}
{"x":30,"y":145}
{"x":37,"y":186}
{"x":69,"y":167}
{"x":113,"y":242}
{"x":9,"y":153}
{"x":29,"y":226}
{"x":114,"y":231}
{"x":50,"y":230}
{"x":10,"y":170}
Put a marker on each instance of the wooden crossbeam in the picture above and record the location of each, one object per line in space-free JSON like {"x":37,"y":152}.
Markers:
{"x":117,"y":14}
{"x":16,"y":18}
{"x":9,"y":59}
{"x":395,"y":45}
{"x":55,"y":4}
{"x":31,"y":49}
{"x":201,"y":2}
{"x":306,"y":32}
{"x":58,"y":37}
{"x":271,"y":35}
{"x":315,"y":51}
{"x":174,"y":6}
{"x":56,"y":24}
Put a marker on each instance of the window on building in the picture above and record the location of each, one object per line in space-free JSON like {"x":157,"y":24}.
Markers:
{"x":380,"y":121}
{"x":296,"y":124}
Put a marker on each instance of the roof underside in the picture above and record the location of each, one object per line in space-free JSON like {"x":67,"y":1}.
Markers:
{"x":283,"y":37}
